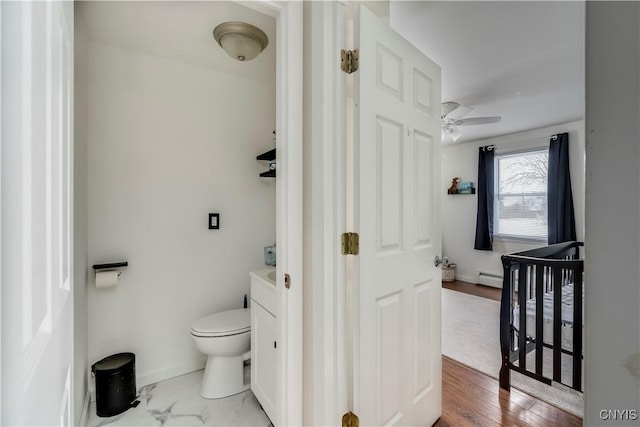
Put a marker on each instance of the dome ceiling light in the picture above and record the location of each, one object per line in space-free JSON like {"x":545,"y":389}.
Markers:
{"x":240,"y":40}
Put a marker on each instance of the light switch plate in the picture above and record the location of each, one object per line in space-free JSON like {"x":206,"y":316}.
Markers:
{"x":214,"y":221}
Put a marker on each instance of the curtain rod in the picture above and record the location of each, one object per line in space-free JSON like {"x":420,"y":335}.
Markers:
{"x":488,"y":148}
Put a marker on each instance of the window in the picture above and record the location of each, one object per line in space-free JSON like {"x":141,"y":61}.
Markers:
{"x":521,"y":195}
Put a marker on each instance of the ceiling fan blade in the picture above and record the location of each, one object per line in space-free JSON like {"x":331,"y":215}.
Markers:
{"x":459,"y":112}
{"x":477,"y":121}
{"x":448,"y":107}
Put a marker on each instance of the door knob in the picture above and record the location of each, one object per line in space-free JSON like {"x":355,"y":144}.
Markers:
{"x":437,"y":261}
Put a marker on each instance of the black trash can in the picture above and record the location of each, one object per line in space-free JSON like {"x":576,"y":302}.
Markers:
{"x":115,"y":383}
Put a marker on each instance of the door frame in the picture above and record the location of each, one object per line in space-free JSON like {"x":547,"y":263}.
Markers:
{"x":288,"y":205}
{"x":325,"y":156}
{"x":1,"y":208}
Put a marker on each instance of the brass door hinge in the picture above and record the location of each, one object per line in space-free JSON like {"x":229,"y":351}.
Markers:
{"x":350,"y":244}
{"x":350,"y":420}
{"x":349,"y":62}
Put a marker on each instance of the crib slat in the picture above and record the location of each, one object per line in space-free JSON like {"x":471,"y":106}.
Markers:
{"x":557,"y":324}
{"x":577,"y":330}
{"x":522,"y":301}
{"x":506,"y":325}
{"x":539,"y":317}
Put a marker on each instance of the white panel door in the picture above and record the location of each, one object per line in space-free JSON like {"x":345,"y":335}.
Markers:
{"x":397,"y":352}
{"x":37,"y":143}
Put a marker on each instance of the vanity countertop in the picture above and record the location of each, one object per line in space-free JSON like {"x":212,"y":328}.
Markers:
{"x":267,"y":275}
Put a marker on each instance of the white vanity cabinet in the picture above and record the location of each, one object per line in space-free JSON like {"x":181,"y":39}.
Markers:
{"x":263,"y":340}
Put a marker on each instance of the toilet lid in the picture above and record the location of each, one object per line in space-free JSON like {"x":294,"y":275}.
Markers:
{"x":229,"y":322}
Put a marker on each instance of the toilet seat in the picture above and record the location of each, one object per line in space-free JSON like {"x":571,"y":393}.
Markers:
{"x":222,"y":324}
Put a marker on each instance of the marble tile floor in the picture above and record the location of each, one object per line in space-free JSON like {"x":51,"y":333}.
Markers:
{"x":177,"y":402}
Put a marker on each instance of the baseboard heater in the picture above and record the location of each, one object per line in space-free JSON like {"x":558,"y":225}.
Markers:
{"x":489,"y":279}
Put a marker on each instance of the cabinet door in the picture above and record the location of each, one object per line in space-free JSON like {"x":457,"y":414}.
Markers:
{"x":263,"y":358}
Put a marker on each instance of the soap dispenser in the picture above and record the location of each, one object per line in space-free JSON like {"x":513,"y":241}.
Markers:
{"x":270,"y":255}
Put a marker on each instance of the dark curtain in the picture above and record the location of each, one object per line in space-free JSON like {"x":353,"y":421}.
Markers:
{"x":484,"y":217}
{"x":562,"y":219}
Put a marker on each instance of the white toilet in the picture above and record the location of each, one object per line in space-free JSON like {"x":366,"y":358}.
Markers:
{"x":225,"y":338}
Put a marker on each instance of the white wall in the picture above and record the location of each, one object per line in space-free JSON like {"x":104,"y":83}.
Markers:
{"x":80,"y":211}
{"x":459,"y":211}
{"x":168,"y":143}
{"x":612,"y":312}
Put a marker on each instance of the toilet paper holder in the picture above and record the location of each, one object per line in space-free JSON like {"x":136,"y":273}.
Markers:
{"x":110,"y":266}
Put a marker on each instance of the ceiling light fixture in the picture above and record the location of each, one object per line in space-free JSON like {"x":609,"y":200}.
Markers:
{"x":449,"y":133}
{"x":240,"y":40}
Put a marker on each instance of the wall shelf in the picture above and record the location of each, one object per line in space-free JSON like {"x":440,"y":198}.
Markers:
{"x":473,"y":191}
{"x":268,"y":156}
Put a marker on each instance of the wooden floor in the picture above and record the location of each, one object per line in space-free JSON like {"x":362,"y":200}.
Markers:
{"x":470,"y":398}
{"x":477,"y":290}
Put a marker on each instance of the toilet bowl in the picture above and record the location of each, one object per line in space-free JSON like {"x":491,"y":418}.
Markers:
{"x":225,"y":338}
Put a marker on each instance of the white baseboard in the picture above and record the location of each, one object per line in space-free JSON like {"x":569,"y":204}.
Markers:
{"x":84,"y":416}
{"x":154,"y":377}
{"x":490,"y":279}
{"x":494,"y":282}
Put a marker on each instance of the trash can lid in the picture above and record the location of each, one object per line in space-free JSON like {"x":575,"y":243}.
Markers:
{"x":113,"y":362}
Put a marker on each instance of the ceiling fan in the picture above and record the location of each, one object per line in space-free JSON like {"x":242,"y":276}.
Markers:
{"x":452,"y":117}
